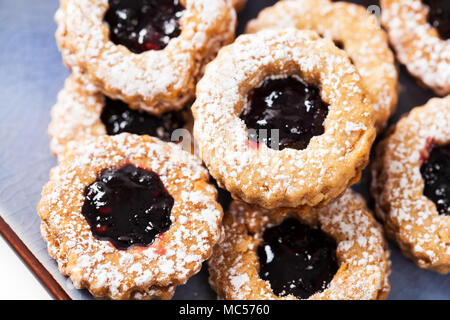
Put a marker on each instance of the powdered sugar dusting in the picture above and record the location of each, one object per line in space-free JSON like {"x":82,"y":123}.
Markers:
{"x":398,"y":185}
{"x":362,"y":252}
{"x":417,"y":43}
{"x":76,"y":114}
{"x":97,"y":265}
{"x":269,"y":177}
{"x":358,"y":31}
{"x":156,"y":81}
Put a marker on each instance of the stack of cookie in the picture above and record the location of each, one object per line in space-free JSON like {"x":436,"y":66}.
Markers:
{"x":282,"y":238}
{"x":283,"y":118}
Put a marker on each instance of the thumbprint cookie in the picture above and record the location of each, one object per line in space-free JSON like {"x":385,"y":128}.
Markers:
{"x":281,"y":119}
{"x":83,"y":112}
{"x":333,"y":253}
{"x":411,"y":184}
{"x":419,"y":31}
{"x":352,"y":29}
{"x":129,"y":217}
{"x":147,"y":53}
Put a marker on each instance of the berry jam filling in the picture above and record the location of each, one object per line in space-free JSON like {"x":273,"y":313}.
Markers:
{"x":439,"y":16}
{"x":128,"y":206}
{"x":297,"y":259}
{"x":142,"y":25}
{"x":294,"y":108}
{"x":118,"y":117}
{"x":340,"y":45}
{"x":436,"y":174}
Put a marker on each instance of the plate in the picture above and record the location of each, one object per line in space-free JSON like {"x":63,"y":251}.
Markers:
{"x":32,"y":73}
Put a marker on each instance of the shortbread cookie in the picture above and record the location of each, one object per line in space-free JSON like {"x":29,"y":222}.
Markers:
{"x":336,"y":252}
{"x":419,"y":31}
{"x":83,"y":112}
{"x":129,"y":216}
{"x":353,"y":30}
{"x":146,"y":53}
{"x":164,"y":293}
{"x":281,"y":119}
{"x":411,"y":184}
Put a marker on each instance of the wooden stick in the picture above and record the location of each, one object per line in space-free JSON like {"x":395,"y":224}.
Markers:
{"x":32,"y":262}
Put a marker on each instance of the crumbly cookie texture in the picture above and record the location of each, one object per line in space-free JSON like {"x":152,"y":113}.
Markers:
{"x":76,"y":115}
{"x":155,"y":81}
{"x":139,"y":272}
{"x":362,"y":252}
{"x":163,"y":293}
{"x":409,"y":217}
{"x":417,"y":43}
{"x":286,"y":178}
{"x":356,"y":30}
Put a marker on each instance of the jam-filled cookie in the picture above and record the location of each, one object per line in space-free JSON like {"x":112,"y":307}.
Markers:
{"x":146,"y":53}
{"x":411,"y":184}
{"x":83,"y":112}
{"x":129,"y":216}
{"x":419,"y":31}
{"x":336,"y":252}
{"x":281,"y":119}
{"x":353,"y":30}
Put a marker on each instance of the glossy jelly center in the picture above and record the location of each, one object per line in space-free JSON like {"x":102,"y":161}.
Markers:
{"x":118,"y":117}
{"x":435,"y":172}
{"x":127,"y":206}
{"x":297,"y":259}
{"x":284,"y":113}
{"x":439,"y":16}
{"x":143,"y":25}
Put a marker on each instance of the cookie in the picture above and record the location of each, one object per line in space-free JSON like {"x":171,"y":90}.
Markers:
{"x":149,"y":54}
{"x":83,"y":112}
{"x":411,"y":184}
{"x":352,"y":29}
{"x":333,"y":253}
{"x":281,"y":119}
{"x":129,"y":217}
{"x":419,"y":31}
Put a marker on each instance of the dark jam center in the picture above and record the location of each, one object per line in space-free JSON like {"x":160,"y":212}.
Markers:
{"x":143,"y":25}
{"x":439,"y":16}
{"x":128,"y":206}
{"x":297,"y":259}
{"x":118,"y":117}
{"x":436,"y":175}
{"x":295,"y":109}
